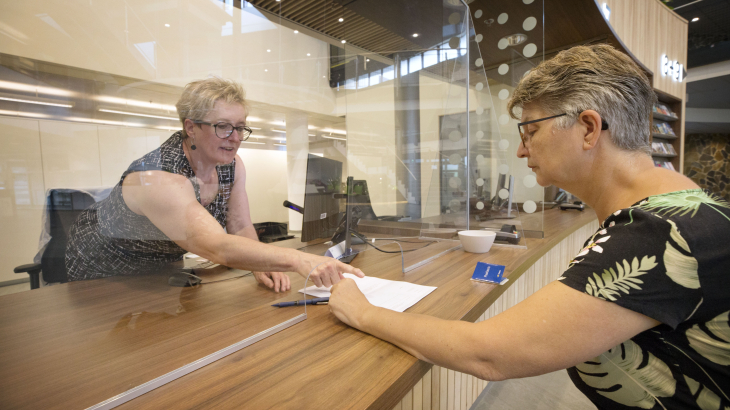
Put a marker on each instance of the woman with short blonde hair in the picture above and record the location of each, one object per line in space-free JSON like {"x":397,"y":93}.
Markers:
{"x":189,"y":195}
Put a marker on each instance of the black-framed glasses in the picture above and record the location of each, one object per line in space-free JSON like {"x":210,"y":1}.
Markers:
{"x":224,"y":130}
{"x":525,"y":135}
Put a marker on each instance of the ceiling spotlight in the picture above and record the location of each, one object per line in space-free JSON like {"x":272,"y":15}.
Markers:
{"x":343,"y":41}
{"x":308,"y":54}
{"x":167,"y":25}
{"x":415,"y":34}
{"x":341,"y":20}
{"x":266,"y":69}
{"x":36,"y":102}
{"x":695,"y":19}
{"x":268,"y":51}
{"x":515,"y":39}
{"x":367,"y":59}
{"x":296,"y":31}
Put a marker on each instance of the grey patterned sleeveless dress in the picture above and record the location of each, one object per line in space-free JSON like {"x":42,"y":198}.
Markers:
{"x":109,"y":239}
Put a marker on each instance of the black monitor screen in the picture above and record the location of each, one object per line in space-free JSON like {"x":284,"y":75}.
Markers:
{"x":321,"y":209}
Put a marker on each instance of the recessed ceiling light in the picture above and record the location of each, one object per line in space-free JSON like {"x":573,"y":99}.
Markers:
{"x":268,"y":51}
{"x":334,"y":138}
{"x":36,"y":102}
{"x":367,"y":59}
{"x":275,"y":130}
{"x":341,"y":19}
{"x":308,"y":54}
{"x":296,"y":31}
{"x":695,"y":19}
{"x":343,"y":41}
{"x":167,"y":25}
{"x":266,"y":69}
{"x":137,"y":114}
{"x":415,"y":34}
{"x":515,"y":39}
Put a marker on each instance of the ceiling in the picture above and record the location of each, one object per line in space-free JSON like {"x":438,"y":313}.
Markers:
{"x":709,"y":36}
{"x":708,"y":43}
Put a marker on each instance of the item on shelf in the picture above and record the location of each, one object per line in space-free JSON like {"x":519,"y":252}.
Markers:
{"x":661,"y":127}
{"x":664,"y":164}
{"x":662,"y":109}
{"x":663,"y":148}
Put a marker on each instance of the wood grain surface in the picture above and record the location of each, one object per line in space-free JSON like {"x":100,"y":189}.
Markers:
{"x":74,"y":345}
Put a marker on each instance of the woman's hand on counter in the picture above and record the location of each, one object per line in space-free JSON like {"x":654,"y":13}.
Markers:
{"x":325,"y":271}
{"x":348,"y":303}
{"x":273,"y":280}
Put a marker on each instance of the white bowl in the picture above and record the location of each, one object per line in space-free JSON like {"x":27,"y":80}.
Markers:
{"x":477,"y":241}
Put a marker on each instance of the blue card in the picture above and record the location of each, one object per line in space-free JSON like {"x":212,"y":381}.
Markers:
{"x":487,"y":272}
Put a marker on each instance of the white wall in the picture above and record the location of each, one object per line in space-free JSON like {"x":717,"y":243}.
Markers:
{"x":22,"y":194}
{"x":266,"y":184}
{"x":204,"y":37}
{"x":371,"y":151}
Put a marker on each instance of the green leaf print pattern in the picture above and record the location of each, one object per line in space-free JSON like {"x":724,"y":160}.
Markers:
{"x":713,"y":344}
{"x":682,"y":269}
{"x":682,"y":202}
{"x":706,"y":399}
{"x":609,"y":372}
{"x":611,"y":283}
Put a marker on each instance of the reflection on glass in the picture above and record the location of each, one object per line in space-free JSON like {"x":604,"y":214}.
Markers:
{"x":88,"y":95}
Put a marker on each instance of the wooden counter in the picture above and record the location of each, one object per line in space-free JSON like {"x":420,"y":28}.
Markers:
{"x":319,"y":363}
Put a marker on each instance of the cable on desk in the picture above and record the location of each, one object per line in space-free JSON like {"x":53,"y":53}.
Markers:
{"x":364,"y":239}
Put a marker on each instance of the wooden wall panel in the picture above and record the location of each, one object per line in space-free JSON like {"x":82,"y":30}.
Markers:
{"x":649,"y":29}
{"x":444,"y":389}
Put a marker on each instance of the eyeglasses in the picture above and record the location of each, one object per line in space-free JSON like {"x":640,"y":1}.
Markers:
{"x":224,"y":130}
{"x":526,"y":135}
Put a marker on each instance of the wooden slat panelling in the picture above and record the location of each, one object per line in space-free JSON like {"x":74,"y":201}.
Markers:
{"x":649,"y":29}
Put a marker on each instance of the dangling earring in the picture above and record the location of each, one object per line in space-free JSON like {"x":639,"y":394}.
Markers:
{"x":193,"y":147}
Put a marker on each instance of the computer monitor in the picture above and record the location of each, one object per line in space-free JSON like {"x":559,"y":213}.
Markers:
{"x":321,"y":206}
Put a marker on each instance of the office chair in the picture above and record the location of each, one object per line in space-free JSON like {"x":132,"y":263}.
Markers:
{"x":63,"y":206}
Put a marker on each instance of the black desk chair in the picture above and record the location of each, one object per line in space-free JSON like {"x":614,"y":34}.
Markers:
{"x":63,"y":207}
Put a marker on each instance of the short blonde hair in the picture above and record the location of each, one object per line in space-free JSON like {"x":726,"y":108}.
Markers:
{"x":596,"y":77}
{"x":199,"y":97}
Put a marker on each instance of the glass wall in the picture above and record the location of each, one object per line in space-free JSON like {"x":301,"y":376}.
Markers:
{"x":409,"y":98}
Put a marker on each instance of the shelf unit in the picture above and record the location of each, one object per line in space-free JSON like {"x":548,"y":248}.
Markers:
{"x":675,"y":123}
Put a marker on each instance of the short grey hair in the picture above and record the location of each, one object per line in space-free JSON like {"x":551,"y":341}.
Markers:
{"x":199,"y":97}
{"x":596,"y":77}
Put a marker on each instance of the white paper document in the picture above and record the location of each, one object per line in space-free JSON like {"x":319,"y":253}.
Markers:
{"x":389,"y":294}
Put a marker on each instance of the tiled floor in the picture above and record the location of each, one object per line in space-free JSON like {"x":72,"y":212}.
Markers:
{"x":21,"y":287}
{"x":547,"y":392}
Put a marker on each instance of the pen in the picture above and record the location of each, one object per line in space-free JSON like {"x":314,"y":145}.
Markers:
{"x":315,"y":301}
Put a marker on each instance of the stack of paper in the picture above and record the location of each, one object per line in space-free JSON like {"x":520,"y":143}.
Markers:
{"x":384,"y":293}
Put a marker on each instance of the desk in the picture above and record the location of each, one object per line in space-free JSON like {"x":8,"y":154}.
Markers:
{"x":319,"y":363}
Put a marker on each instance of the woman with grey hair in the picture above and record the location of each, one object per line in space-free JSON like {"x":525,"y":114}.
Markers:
{"x":189,"y":195}
{"x":640,"y":316}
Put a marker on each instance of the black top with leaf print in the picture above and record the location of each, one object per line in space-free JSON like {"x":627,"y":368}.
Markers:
{"x":667,"y":257}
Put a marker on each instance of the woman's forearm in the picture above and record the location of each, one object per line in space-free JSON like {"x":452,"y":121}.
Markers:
{"x":245,"y":253}
{"x":452,"y":344}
